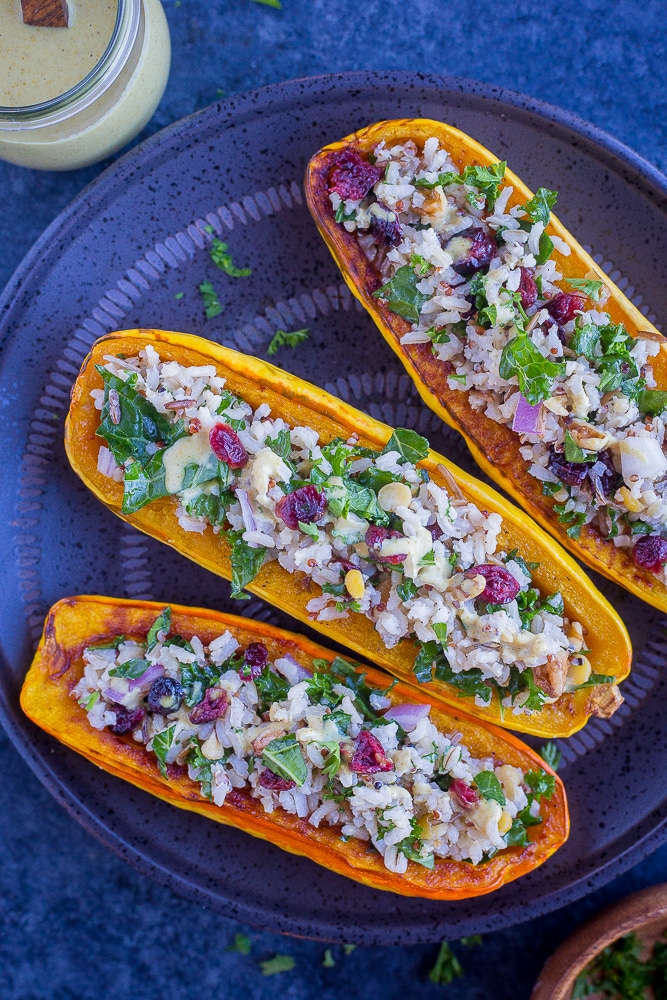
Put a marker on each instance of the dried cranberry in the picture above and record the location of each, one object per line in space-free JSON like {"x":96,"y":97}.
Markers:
{"x":374,"y":538}
{"x":255,"y":659}
{"x":603,"y":474}
{"x":479,"y":254}
{"x":306,"y":504}
{"x":572,"y":473}
{"x":227,"y":446}
{"x":385,"y":227}
{"x":501,"y":586}
{"x":165,"y":695}
{"x":352,"y":177}
{"x":466,"y":796}
{"x":268,"y":779}
{"x":527,"y":287}
{"x":650,"y":552}
{"x":212,"y":707}
{"x":563,"y":307}
{"x":346,"y":563}
{"x":369,"y":756}
{"x":127,"y":719}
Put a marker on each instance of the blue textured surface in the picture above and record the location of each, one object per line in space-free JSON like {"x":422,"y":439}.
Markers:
{"x":75,"y":921}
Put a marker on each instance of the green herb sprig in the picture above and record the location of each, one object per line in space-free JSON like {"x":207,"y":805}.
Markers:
{"x":284,"y":338}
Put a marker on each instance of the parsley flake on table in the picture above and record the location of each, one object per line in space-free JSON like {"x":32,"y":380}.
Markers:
{"x":241,"y":944}
{"x":447,"y":967}
{"x":279,"y":963}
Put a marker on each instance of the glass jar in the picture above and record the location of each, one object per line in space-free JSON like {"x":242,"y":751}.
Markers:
{"x":110,"y":105}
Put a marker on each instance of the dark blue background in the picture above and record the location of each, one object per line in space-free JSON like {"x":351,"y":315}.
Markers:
{"x":75,"y":922}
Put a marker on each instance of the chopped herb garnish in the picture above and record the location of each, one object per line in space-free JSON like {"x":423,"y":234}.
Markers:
{"x":130,"y":669}
{"x":341,"y":216}
{"x":440,"y":629}
{"x":620,"y":972}
{"x":593,"y":289}
{"x":585,"y":339}
{"x":161,"y":745}
{"x":246,"y":564}
{"x":283,"y":756}
{"x":270,"y":687}
{"x":159,"y":629}
{"x":283,"y":338}
{"x":281,"y":443}
{"x":412,"y":447}
{"x":517,"y":836}
{"x":112,"y":644}
{"x":202,"y":765}
{"x":447,"y":967}
{"x":241,"y":944}
{"x":573,"y":520}
{"x":309,"y":529}
{"x":651,"y":402}
{"x":219,"y":254}
{"x":438,"y":335}
{"x":489,"y":787}
{"x":279,"y":963}
{"x":407,"y":590}
{"x":545,"y":249}
{"x":212,"y":305}
{"x":143,"y":483}
{"x":402,"y":295}
{"x":594,"y":680}
{"x":573,"y":453}
{"x":140,"y":428}
{"x":535,"y":373}
{"x":421,"y":266}
{"x":538,"y":209}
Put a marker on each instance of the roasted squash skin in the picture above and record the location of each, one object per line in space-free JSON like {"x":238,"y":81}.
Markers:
{"x":299,"y":402}
{"x":495,"y":447}
{"x":75,"y":622}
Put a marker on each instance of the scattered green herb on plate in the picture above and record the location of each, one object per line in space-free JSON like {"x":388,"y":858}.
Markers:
{"x":284,"y":338}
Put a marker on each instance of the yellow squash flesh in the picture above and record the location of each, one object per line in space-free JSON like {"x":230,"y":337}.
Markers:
{"x":300,"y":403}
{"x":494,"y":446}
{"x":76,"y":622}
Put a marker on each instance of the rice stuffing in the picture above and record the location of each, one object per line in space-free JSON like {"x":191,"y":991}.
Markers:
{"x":476,"y":280}
{"x":308,"y":740}
{"x":377,"y":535}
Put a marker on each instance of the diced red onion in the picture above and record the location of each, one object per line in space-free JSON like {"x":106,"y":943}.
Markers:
{"x":112,"y":695}
{"x":292,"y":671}
{"x":379,"y":701}
{"x":147,"y":678}
{"x":528,"y":419}
{"x":106,"y":463}
{"x":407,"y":715}
{"x":246,"y":510}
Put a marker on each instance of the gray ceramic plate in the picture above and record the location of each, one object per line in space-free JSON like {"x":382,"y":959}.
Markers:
{"x":117,"y":258}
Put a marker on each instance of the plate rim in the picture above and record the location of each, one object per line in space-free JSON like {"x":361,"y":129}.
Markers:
{"x":646,"y":177}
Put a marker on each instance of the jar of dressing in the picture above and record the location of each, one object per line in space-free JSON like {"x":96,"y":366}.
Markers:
{"x":70,"y":96}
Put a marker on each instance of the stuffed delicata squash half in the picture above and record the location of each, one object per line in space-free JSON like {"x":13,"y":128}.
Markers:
{"x":357,"y":530}
{"x":269,"y":732}
{"x":511,"y":333}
